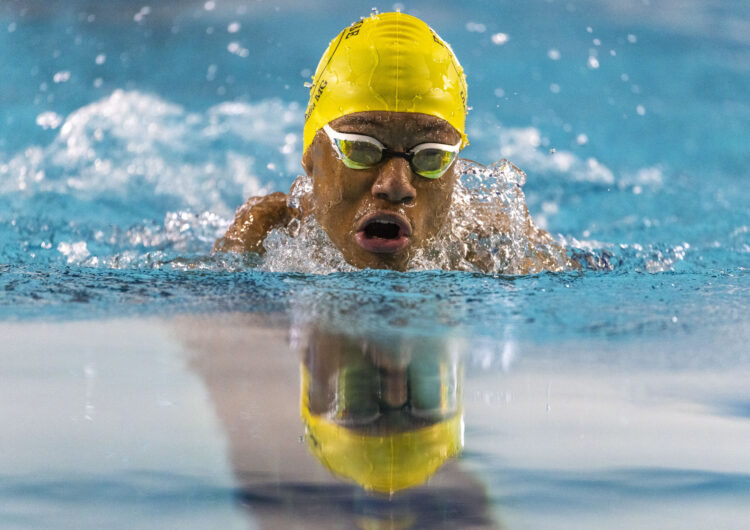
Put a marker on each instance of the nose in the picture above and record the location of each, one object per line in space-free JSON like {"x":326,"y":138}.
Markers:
{"x":394,"y":182}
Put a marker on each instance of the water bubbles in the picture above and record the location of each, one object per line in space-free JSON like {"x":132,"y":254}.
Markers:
{"x":12,"y":27}
{"x":476,"y":27}
{"x":100,"y":59}
{"x":597,"y":42}
{"x":632,"y":39}
{"x":234,"y":27}
{"x":554,"y":88}
{"x":641,"y":110}
{"x":592,"y":62}
{"x":500,"y":38}
{"x":140,"y":16}
{"x":553,"y":54}
{"x":582,"y":139}
{"x":210,"y":5}
{"x":62,"y":76}
{"x":74,"y":252}
{"x":49,"y":120}
{"x":237,"y":49}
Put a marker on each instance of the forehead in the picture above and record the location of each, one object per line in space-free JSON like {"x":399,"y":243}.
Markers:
{"x":398,"y":127}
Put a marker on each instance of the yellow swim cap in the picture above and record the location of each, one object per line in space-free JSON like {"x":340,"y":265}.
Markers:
{"x":391,"y":62}
{"x":382,"y":463}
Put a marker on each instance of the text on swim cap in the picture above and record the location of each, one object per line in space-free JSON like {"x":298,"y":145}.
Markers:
{"x":354,"y":29}
{"x":318,"y":91}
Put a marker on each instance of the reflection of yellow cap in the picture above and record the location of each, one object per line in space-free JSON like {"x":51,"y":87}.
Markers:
{"x":392,"y":62}
{"x":382,"y":463}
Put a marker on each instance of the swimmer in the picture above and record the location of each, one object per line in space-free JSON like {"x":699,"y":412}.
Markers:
{"x":383,"y":129}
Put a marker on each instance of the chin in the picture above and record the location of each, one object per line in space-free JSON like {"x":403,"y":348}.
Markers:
{"x":363,"y":259}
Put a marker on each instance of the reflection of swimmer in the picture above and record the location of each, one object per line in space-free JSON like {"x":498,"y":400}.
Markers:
{"x":383,"y":128}
{"x":384,"y":418}
{"x":253,"y":382}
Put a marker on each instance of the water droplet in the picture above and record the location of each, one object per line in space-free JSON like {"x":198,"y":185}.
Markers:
{"x":500,"y":38}
{"x":49,"y":120}
{"x":62,"y":76}
{"x":476,"y":27}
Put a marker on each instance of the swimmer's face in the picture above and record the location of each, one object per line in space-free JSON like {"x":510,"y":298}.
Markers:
{"x":379,"y":216}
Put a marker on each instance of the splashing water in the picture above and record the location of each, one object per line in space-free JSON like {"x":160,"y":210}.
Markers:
{"x":488,"y":229}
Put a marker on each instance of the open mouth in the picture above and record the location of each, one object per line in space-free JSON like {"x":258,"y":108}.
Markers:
{"x":384,"y":233}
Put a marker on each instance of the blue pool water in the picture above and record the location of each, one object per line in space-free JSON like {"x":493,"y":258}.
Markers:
{"x":130,"y":132}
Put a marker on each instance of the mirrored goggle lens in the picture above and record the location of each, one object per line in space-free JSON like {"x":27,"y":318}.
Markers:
{"x":432,"y":163}
{"x":359,"y":154}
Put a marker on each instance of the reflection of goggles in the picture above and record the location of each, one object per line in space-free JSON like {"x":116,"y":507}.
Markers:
{"x":358,"y":151}
{"x":431,"y":385}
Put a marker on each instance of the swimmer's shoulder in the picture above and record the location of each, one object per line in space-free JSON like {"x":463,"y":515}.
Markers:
{"x":253,"y":221}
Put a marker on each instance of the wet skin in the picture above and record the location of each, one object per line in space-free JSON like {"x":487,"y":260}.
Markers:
{"x":345,"y":201}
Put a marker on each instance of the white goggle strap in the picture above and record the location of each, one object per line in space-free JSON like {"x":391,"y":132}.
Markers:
{"x":335,"y":135}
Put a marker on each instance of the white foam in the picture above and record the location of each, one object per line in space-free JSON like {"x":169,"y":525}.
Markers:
{"x":75,"y":252}
{"x":133,"y":144}
{"x":523,"y":147}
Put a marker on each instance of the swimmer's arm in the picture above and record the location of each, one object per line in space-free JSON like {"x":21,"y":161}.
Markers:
{"x":253,"y":221}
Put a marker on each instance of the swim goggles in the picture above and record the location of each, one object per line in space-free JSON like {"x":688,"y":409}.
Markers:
{"x":358,"y":151}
